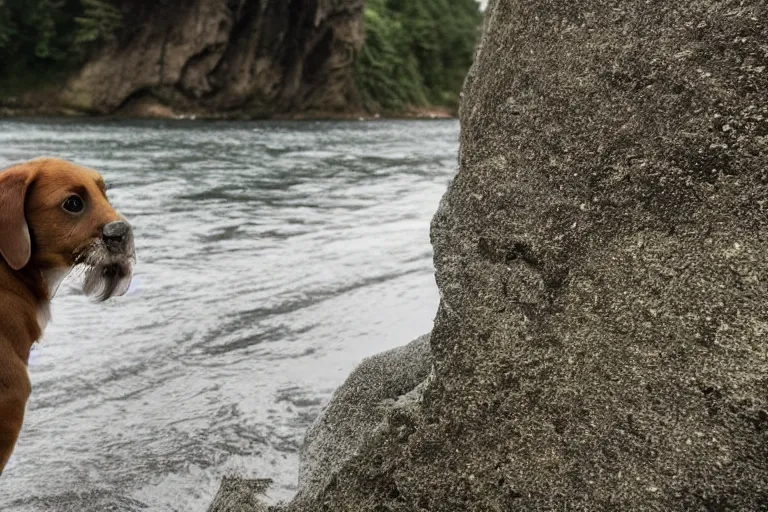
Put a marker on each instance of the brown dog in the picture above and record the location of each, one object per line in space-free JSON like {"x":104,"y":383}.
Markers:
{"x":54,"y":216}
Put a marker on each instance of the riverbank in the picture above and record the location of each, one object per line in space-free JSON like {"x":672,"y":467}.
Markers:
{"x":156,"y":110}
{"x":342,"y":60}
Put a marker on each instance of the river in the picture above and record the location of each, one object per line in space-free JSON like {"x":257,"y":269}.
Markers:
{"x":272,"y":258}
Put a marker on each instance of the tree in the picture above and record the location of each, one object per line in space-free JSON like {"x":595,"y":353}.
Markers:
{"x":417,"y":51}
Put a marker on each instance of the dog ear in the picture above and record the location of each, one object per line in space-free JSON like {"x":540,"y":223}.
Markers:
{"x":15,"y":243}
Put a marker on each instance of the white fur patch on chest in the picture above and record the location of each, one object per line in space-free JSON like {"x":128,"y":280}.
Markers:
{"x":53,"y":279}
{"x":43,"y":316}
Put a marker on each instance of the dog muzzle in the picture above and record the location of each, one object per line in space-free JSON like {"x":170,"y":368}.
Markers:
{"x":108,"y":262}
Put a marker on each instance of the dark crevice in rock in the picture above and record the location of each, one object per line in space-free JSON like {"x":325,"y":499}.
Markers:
{"x":522,"y":251}
{"x":140,"y":95}
{"x":188,"y":86}
{"x":319,"y":54}
{"x":245,"y":31}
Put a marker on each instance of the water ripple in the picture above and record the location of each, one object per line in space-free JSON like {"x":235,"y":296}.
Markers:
{"x":273,"y":257}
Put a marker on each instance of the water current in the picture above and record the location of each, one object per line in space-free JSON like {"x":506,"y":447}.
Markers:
{"x":272,"y":258}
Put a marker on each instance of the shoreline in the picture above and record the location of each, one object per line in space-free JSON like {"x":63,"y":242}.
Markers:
{"x":156,"y":111}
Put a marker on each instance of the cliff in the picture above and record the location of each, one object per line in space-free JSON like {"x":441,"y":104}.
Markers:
{"x":216,"y":58}
{"x":601,"y":256}
{"x":235,"y":58}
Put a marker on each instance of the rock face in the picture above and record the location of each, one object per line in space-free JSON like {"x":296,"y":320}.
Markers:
{"x":255,"y":57}
{"x":382,"y":386}
{"x":602,"y":254}
{"x":239,"y":494}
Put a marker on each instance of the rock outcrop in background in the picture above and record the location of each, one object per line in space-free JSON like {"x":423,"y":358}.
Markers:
{"x":217,"y":56}
{"x":236,"y":58}
{"x":602,"y":256}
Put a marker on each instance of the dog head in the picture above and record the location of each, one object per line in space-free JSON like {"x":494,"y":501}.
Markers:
{"x":55,"y":216}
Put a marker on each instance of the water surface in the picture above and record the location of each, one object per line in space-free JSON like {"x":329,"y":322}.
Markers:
{"x":273,"y":257}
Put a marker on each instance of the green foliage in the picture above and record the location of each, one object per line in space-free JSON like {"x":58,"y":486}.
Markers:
{"x":7,"y":28}
{"x":417,"y":52}
{"x":100,"y":22}
{"x":40,"y":38}
{"x":387,"y":70}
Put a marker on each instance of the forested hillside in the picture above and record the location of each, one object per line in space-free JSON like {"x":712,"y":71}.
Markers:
{"x":402,"y":53}
{"x":41,"y":39}
{"x":417,"y":52}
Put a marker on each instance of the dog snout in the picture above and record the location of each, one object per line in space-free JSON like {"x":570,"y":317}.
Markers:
{"x":116,"y":234}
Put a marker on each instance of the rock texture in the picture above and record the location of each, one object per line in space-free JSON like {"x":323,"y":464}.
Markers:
{"x":384,"y":385}
{"x":602,"y":254}
{"x":225,"y":57}
{"x":239,"y":494}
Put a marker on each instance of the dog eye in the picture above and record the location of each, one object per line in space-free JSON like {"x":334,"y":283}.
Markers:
{"x":73,"y":204}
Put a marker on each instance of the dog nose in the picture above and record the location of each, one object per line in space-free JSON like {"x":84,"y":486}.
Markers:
{"x":115,"y":233}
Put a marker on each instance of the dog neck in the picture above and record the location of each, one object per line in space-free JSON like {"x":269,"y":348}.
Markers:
{"x":24,"y":300}
{"x":52,"y":279}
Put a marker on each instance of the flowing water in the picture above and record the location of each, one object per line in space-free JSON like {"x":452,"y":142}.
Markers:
{"x":272,"y":258}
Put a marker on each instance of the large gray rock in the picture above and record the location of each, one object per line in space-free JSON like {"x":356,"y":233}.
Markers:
{"x":602,"y":256}
{"x":239,"y":494}
{"x":380,"y":386}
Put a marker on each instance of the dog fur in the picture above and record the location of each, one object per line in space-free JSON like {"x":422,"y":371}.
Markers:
{"x":40,"y":243}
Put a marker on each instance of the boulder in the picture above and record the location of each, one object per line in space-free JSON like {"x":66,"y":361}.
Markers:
{"x":379,"y":387}
{"x":602,"y":258}
{"x":240,"y":495}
